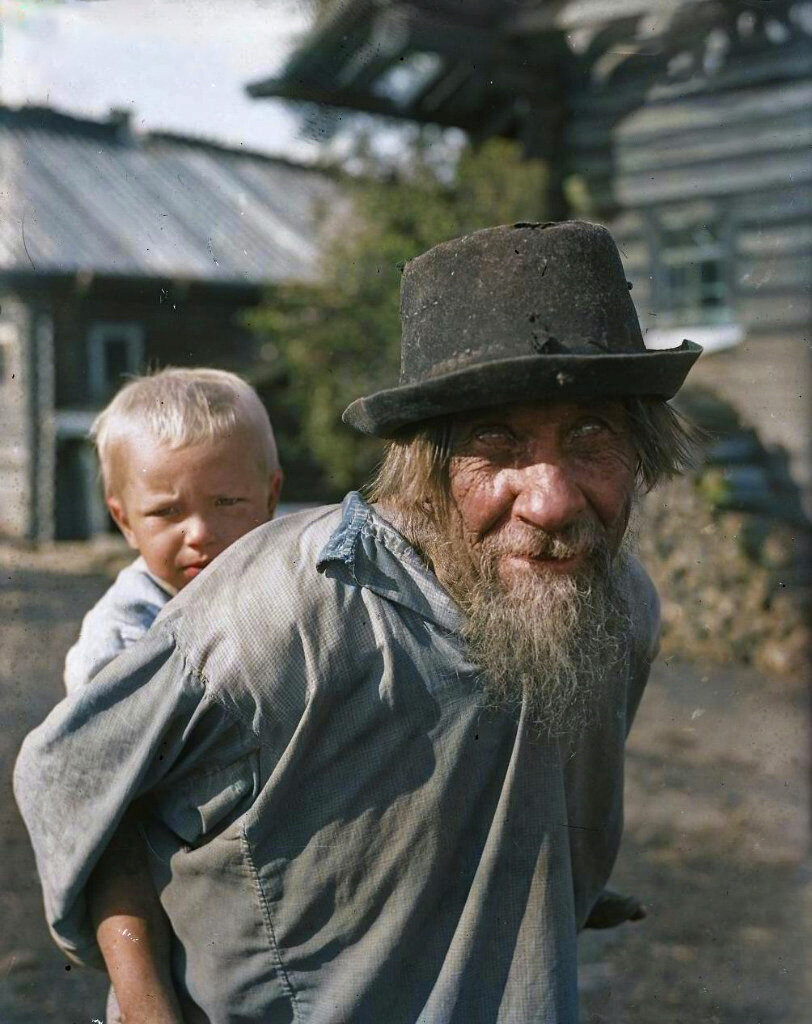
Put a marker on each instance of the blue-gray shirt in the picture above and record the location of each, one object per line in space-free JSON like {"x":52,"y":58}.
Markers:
{"x":122,"y":615}
{"x":338,"y":830}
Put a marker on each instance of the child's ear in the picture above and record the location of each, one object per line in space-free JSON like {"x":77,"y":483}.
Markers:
{"x":274,"y":490}
{"x":119,"y":514}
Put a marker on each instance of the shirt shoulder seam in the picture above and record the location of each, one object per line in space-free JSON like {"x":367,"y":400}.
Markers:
{"x":210,"y":695}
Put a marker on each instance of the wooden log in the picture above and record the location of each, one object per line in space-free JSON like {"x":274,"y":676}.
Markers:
{"x":587,"y":13}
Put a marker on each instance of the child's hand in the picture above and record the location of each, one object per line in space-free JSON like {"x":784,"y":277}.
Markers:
{"x":613,"y":908}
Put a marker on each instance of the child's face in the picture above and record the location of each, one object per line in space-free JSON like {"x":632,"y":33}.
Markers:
{"x":181,"y":507}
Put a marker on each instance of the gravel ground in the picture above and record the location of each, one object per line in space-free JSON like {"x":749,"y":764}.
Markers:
{"x":716,"y":840}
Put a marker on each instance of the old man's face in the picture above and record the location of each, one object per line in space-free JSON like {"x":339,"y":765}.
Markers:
{"x":540,"y":502}
{"x":538,"y":487}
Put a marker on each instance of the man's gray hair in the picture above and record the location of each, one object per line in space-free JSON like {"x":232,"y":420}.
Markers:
{"x":179,"y":407}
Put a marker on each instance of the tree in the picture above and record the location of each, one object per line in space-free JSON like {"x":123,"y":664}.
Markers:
{"x":339,"y":339}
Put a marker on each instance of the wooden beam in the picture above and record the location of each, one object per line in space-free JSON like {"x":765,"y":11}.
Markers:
{"x":425,"y":30}
{"x":502,"y":122}
{"x":781,"y":109}
{"x":342,"y":27}
{"x":551,"y":17}
{"x":795,"y":63}
{"x":366,"y":102}
{"x":439,"y":92}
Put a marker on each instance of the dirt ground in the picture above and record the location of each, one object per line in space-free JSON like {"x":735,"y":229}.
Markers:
{"x":716,"y":843}
{"x":717,"y":847}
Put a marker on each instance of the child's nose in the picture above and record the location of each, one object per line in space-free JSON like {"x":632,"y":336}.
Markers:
{"x":197,"y":531}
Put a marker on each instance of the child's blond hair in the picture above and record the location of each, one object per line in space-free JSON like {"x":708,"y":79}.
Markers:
{"x":180,"y":407}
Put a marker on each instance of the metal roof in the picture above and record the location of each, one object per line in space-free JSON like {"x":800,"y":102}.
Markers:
{"x":88,"y":196}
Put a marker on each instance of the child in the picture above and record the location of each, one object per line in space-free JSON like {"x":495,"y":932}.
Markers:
{"x":189,"y":465}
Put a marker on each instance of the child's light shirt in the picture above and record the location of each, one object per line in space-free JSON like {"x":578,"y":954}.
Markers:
{"x":119,"y":618}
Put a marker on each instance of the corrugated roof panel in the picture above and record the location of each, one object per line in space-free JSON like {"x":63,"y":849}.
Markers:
{"x":219,"y":220}
{"x":154,"y":206}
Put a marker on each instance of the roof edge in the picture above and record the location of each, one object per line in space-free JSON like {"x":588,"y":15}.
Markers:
{"x":36,"y":116}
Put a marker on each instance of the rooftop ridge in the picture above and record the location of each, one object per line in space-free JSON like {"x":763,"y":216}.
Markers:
{"x":33,"y":116}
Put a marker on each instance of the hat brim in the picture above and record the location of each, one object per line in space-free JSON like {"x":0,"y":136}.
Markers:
{"x":562,"y":377}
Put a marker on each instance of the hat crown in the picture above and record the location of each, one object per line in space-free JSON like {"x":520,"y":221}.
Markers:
{"x":516,"y":290}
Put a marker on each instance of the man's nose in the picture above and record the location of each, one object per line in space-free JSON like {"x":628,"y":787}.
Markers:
{"x":546,"y":496}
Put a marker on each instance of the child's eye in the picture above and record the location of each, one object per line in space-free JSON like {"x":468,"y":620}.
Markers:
{"x":163,"y":513}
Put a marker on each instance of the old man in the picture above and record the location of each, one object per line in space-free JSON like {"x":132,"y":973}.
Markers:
{"x":377,"y":750}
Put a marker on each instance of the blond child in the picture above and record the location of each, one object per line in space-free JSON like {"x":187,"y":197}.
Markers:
{"x":189,"y":465}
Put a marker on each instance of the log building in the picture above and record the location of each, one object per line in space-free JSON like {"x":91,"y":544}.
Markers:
{"x":684,"y":125}
{"x":119,"y":252}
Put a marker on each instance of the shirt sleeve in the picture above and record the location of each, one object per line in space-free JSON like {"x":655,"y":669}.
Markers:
{"x":89,"y":655}
{"x":146,"y":718}
{"x":106,"y":630}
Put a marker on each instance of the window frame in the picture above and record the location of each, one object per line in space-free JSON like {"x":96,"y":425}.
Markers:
{"x":686,"y":304}
{"x":98,"y":334}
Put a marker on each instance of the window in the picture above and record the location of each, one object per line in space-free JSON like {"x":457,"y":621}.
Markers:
{"x":690,"y":273}
{"x":114,"y":350}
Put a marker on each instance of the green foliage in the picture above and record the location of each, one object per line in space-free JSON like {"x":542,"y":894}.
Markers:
{"x":340,"y":339}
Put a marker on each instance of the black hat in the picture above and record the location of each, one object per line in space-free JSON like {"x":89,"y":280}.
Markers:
{"x":516,"y":314}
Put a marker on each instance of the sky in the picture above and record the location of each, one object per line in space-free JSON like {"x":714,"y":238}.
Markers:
{"x":179,"y":65}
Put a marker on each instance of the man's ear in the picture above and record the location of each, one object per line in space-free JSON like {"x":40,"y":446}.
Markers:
{"x":274,"y":490}
{"x":119,"y":514}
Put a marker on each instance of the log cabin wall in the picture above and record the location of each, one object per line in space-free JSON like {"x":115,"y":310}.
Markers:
{"x":707,"y":185}
{"x":687,"y":124}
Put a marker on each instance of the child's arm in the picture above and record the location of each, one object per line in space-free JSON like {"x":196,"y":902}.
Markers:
{"x":132,"y":932}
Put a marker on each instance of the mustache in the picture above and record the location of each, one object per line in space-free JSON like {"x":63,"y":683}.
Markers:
{"x":583,"y":537}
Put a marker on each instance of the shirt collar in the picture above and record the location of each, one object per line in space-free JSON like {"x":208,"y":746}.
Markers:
{"x":141,"y":565}
{"x":368,"y":551}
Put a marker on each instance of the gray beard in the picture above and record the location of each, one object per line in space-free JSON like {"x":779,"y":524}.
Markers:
{"x":549,"y":643}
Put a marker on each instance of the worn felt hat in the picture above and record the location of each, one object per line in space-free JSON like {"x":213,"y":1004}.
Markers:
{"x":518,"y":313}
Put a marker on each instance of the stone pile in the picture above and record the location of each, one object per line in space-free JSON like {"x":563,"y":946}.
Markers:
{"x":733,"y":584}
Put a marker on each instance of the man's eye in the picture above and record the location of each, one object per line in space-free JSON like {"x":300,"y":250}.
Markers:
{"x":492,"y":434}
{"x":228,"y":502}
{"x":588,"y":429}
{"x":163,"y":513}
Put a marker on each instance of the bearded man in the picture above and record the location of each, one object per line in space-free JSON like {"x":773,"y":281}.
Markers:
{"x":376,"y":751}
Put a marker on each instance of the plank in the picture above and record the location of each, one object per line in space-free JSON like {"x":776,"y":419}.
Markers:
{"x":548,"y":17}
